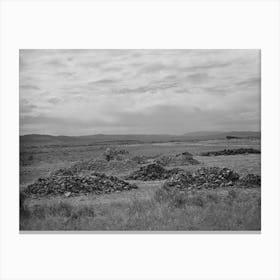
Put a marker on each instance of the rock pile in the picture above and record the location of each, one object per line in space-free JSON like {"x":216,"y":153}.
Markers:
{"x":96,"y":183}
{"x":113,"y":153}
{"x":203,"y":178}
{"x":229,"y":152}
{"x":71,"y":171}
{"x":152,"y":172}
{"x":185,"y":158}
{"x":233,"y":137}
{"x":99,"y":165}
{"x":250,"y":181}
{"x":140,"y":159}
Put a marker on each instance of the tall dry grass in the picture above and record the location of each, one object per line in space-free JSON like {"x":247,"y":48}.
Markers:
{"x":234,"y":209}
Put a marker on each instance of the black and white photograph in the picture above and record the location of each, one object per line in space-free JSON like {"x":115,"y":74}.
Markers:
{"x":140,"y":139}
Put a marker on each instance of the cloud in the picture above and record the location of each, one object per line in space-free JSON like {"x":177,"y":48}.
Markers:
{"x":29,"y":87}
{"x":197,"y":77}
{"x":26,"y":107}
{"x":54,"y":100}
{"x":112,"y":69}
{"x":205,"y":66}
{"x":152,"y":68}
{"x":138,"y":91}
{"x":65,"y":74}
{"x":217,"y":90}
{"x":56,"y":63}
{"x":151,"y":88}
{"x":254,"y":81}
{"x":102,"y":81}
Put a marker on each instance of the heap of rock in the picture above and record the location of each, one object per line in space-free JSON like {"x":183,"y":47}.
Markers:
{"x":151,"y":172}
{"x":96,"y":183}
{"x":99,"y":165}
{"x":203,"y":178}
{"x":250,"y":180}
{"x":140,"y":159}
{"x":185,"y":158}
{"x":229,"y":137}
{"x":70,"y":171}
{"x":113,"y":153}
{"x":229,"y":152}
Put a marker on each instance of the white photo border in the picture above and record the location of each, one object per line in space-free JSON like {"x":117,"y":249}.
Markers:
{"x":135,"y":25}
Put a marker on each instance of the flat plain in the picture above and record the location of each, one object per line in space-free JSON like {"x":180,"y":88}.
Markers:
{"x":142,"y":209}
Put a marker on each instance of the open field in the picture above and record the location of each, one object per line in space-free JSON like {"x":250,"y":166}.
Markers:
{"x":229,"y":208}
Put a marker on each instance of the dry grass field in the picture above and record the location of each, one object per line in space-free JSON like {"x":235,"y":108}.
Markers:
{"x":145,"y":208}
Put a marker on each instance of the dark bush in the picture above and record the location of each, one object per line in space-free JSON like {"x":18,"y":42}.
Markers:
{"x":229,"y":152}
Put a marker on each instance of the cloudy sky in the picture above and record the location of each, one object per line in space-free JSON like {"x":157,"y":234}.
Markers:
{"x":84,"y":92}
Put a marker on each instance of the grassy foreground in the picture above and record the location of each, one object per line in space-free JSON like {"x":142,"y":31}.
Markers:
{"x":227,"y":209}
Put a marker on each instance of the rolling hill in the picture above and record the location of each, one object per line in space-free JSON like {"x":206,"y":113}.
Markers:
{"x":132,"y":138}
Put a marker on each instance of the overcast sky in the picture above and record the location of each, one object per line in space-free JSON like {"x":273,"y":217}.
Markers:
{"x":83,"y":92}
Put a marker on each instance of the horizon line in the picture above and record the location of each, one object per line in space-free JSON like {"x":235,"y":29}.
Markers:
{"x":142,"y":134}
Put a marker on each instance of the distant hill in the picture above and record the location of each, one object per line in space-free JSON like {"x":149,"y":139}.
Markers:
{"x":44,"y":138}
{"x":98,"y":138}
{"x":202,"y":133}
{"x":219,"y":135}
{"x":132,"y":138}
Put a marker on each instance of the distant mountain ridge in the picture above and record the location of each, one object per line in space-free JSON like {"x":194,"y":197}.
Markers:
{"x":241,"y":134}
{"x":135,"y":138}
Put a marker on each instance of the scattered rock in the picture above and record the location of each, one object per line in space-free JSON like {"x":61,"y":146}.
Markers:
{"x":229,"y":152}
{"x":113,"y":153}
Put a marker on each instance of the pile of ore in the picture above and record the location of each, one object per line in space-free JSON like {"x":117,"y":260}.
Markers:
{"x":70,"y":171}
{"x":203,"y":178}
{"x":117,"y":167}
{"x":185,"y":158}
{"x":151,"y":172}
{"x":113,"y":153}
{"x":250,"y":181}
{"x":96,"y":183}
{"x":229,"y":152}
{"x":140,"y":159}
{"x":99,"y":165}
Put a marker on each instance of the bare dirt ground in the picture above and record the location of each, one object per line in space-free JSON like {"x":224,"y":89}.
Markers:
{"x":226,"y":209}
